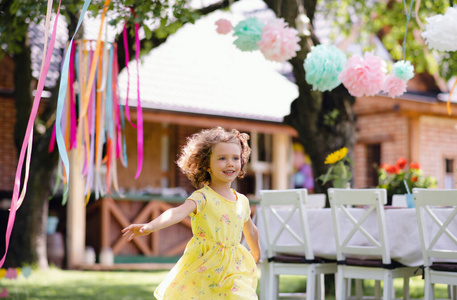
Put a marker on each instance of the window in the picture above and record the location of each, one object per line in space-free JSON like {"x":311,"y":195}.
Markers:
{"x":260,"y":163}
{"x":372,"y":163}
{"x":449,"y":173}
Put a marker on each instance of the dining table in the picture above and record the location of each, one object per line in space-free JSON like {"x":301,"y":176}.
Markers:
{"x":401,"y":223}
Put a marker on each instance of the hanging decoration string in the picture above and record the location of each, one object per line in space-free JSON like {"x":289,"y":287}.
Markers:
{"x":127,"y":60}
{"x":30,"y":142}
{"x":27,"y":139}
{"x":139,"y":111}
{"x":61,"y":98}
{"x":408,"y":17}
{"x":100,"y":138}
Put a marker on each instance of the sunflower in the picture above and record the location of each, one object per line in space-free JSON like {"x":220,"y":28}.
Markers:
{"x":336,"y":156}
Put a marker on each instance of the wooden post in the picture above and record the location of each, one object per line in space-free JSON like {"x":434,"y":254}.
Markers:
{"x":414,"y":138}
{"x":281,"y":161}
{"x":76,"y":214}
{"x":105,"y":221}
{"x":255,"y":162}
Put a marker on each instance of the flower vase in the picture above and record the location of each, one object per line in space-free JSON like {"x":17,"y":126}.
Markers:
{"x":341,"y":184}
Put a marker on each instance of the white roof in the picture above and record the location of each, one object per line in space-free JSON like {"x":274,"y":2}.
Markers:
{"x":199,"y":71}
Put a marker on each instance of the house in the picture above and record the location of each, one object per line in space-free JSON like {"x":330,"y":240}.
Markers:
{"x":415,"y":126}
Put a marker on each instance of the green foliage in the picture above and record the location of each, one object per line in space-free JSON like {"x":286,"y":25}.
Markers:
{"x":84,"y":285}
{"x":331,"y":117}
{"x":387,"y":20}
{"x":16,"y":15}
{"x":118,"y":285}
{"x":165,"y":12}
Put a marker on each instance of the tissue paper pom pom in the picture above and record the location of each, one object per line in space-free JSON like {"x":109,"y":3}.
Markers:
{"x":394,"y":86}
{"x":363,"y":76}
{"x":223,"y":26}
{"x":403,"y":70}
{"x":323,"y":65}
{"x":441,"y":31}
{"x":279,"y":41}
{"x":248,"y":32}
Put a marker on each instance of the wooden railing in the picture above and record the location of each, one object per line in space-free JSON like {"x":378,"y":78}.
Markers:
{"x":115,"y":213}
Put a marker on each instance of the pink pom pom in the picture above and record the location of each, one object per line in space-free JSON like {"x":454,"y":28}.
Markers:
{"x":363,"y":76}
{"x":223,"y":26}
{"x":279,"y":42}
{"x":394,"y":86}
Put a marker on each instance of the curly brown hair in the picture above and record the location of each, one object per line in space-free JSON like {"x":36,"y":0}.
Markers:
{"x":195,"y":155}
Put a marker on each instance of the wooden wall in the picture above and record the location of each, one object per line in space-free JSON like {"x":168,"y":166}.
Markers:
{"x":150,"y":174}
{"x":8,"y":152}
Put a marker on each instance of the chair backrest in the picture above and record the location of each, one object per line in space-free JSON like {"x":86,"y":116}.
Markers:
{"x":286,"y":223}
{"x":436,"y":216}
{"x":356,"y":232}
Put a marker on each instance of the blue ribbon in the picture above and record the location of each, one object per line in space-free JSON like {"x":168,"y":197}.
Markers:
{"x":61,"y":99}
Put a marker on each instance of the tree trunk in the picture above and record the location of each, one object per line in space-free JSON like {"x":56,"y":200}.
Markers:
{"x":319,"y":131}
{"x":28,"y":239}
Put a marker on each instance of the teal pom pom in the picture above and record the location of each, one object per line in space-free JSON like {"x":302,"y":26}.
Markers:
{"x":323,"y":65}
{"x":403,"y":70}
{"x":248,"y":33}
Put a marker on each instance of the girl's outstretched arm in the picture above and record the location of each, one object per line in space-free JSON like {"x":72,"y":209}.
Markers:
{"x":251,"y":234}
{"x":169,"y":217}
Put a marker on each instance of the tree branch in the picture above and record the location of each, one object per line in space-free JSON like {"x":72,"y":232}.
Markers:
{"x":155,"y":41}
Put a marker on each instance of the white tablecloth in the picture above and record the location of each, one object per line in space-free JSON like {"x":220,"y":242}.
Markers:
{"x":402,"y":230}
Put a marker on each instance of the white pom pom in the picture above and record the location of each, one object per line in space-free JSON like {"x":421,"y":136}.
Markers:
{"x":441,"y":31}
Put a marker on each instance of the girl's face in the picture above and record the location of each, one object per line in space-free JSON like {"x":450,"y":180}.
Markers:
{"x":225,"y":163}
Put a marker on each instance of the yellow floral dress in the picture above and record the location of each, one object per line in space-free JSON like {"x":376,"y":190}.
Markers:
{"x":214,"y":265}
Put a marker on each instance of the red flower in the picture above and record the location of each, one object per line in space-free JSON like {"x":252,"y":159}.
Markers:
{"x":389,"y":168}
{"x":401,"y":163}
{"x":397,"y":169}
{"x":414,"y":166}
{"x":414,"y":179}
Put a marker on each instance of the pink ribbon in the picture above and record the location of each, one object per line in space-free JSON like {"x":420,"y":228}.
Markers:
{"x":73,"y":139}
{"x":33,"y":113}
{"x":139,"y":110}
{"x":127,"y":59}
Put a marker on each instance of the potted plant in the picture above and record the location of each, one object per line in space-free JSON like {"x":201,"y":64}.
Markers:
{"x":393,"y":178}
{"x":339,"y":172}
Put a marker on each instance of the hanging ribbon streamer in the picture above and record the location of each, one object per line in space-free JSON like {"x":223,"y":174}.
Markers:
{"x":61,"y":99}
{"x":448,"y":105}
{"x":139,"y":110}
{"x":28,"y":136}
{"x":100,"y":137}
{"x":120,"y":124}
{"x":408,"y":16}
{"x":127,"y":60}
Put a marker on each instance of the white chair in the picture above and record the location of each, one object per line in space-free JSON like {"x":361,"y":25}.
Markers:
{"x":363,"y":251}
{"x":289,"y":247}
{"x":438,"y":231}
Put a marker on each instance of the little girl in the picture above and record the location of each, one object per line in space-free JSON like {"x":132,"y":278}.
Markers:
{"x":214,"y":265}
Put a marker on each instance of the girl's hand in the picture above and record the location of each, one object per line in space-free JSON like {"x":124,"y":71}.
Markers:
{"x":136,"y":230}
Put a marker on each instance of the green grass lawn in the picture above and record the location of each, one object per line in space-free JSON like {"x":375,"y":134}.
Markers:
{"x":136,"y":285}
{"x":289,"y":283}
